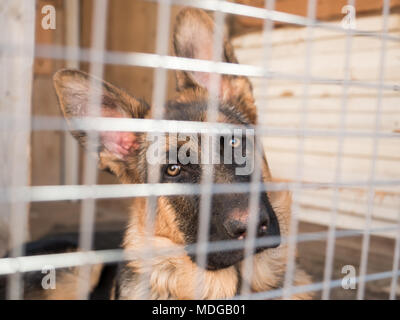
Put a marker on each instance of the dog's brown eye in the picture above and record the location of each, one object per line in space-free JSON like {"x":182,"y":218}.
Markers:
{"x":173,"y":170}
{"x":235,"y":142}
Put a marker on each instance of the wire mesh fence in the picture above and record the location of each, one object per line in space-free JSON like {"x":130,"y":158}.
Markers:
{"x":210,"y":73}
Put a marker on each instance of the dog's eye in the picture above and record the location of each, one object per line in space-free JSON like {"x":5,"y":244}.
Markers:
{"x":234,"y":142}
{"x":173,"y":170}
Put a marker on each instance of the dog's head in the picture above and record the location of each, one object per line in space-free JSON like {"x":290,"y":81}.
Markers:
{"x":230,"y":157}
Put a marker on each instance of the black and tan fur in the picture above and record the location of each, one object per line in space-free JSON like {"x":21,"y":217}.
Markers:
{"x":176,"y":221}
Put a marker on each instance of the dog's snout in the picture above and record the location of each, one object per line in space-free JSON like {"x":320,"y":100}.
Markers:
{"x":236,"y":224}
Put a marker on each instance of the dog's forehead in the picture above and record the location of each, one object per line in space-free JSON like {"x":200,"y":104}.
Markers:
{"x":197,"y":111}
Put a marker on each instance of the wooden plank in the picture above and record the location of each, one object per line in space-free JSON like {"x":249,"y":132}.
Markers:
{"x":321,"y":120}
{"x":287,"y":36}
{"x":289,"y":101}
{"x":344,"y":221}
{"x":287,"y":88}
{"x":321,"y":168}
{"x":46,"y":146}
{"x":288,"y":51}
{"x":42,"y":36}
{"x":326,"y":9}
{"x":16,"y":63}
{"x":347,"y":252}
{"x":364,"y":65}
{"x":353,"y":202}
{"x":356,"y":148}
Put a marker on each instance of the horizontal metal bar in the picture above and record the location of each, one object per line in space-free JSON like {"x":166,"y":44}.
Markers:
{"x":151,"y":60}
{"x":274,"y":15}
{"x":79,"y":192}
{"x":71,"y":259}
{"x":47,"y":123}
{"x":315,"y":286}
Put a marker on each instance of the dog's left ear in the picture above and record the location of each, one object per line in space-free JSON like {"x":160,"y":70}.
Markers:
{"x":117,"y":151}
{"x":193,"y":38}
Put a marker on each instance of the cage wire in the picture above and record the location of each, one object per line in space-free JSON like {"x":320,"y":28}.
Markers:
{"x":20,"y":193}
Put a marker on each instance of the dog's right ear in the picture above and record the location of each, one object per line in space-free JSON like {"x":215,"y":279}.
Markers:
{"x":114,"y":149}
{"x":194,"y":34}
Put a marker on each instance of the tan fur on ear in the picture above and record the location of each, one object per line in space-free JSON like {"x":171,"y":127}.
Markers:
{"x":73,"y":86}
{"x":193,"y":38}
{"x":73,"y":90}
{"x":190,"y":22}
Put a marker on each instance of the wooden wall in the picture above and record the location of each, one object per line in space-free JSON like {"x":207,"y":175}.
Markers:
{"x":132,"y":27}
{"x":16,"y":63}
{"x":47,"y":146}
{"x":326,"y":10}
{"x":281,"y":103}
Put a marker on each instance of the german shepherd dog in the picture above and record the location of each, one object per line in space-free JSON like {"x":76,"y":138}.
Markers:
{"x":176,"y":222}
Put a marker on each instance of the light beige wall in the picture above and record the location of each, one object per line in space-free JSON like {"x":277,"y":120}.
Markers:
{"x":281,"y":103}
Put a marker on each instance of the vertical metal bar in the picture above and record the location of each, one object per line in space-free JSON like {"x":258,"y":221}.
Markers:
{"x":18,"y":25}
{"x":5,"y":141}
{"x":71,"y":149}
{"x":396,"y":262}
{"x":330,"y":248}
{"x":295,"y":208}
{"x":371,"y":190}
{"x":158,"y":99}
{"x":160,"y":86}
{"x":248,"y":263}
{"x":208,"y":170}
{"x":88,"y":209}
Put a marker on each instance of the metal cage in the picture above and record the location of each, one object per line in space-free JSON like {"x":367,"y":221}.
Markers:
{"x":18,"y":53}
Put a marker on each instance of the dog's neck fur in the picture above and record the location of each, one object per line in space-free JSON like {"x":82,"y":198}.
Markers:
{"x":173,"y":275}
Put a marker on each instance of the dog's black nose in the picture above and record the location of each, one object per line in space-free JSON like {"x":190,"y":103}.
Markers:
{"x":236,"y":225}
{"x":236,"y":229}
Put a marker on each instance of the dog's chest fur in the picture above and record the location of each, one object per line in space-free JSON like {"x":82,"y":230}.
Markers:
{"x":175,"y":276}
